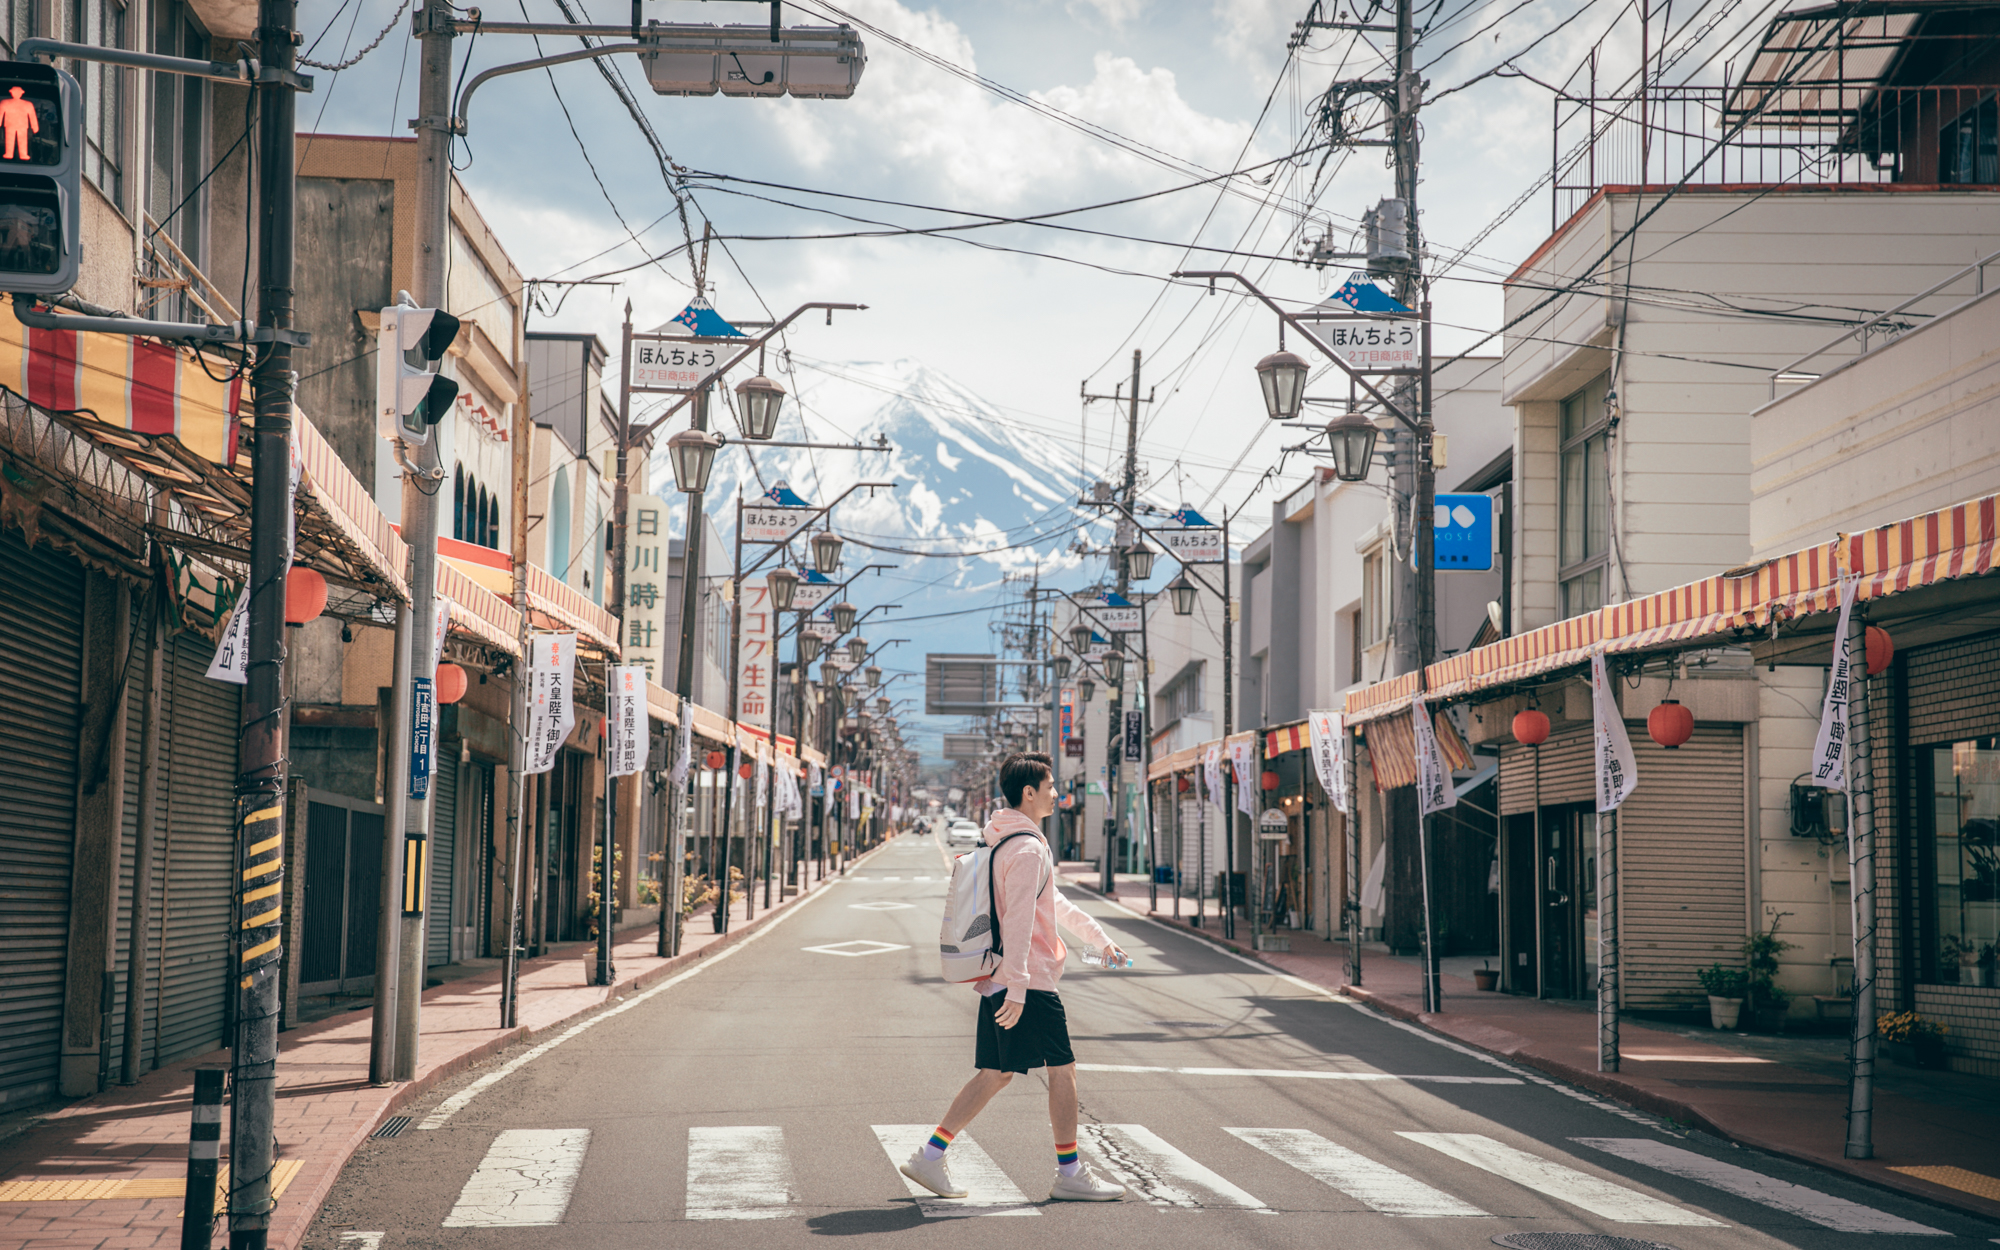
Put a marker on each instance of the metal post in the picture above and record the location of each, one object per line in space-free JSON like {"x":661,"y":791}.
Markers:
{"x":204,"y":1150}
{"x":261,"y":783}
{"x":138,"y":946}
{"x":1349,"y":779}
{"x":1228,"y":727}
{"x":517,"y":741}
{"x":1607,"y":941}
{"x":1861,"y":886}
{"x":606,"y":849}
{"x":1147,"y":811}
{"x":736,"y":748}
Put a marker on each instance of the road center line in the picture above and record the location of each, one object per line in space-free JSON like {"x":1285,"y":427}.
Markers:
{"x":1302,"y":1074}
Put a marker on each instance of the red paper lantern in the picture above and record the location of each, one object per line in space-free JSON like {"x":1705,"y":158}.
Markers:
{"x":1183,"y":784}
{"x":305,"y":595}
{"x":716,"y":759}
{"x":1670,"y":724}
{"x":1269,"y":780}
{"x":744,"y":770}
{"x":1531,"y":728}
{"x":451,"y":683}
{"x":1880,"y":649}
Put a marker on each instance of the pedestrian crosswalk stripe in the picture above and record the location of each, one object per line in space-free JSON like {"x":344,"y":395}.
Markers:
{"x":1838,"y":1214}
{"x":1159,"y":1173}
{"x":1382,"y":1188}
{"x":987,"y":1189}
{"x":1594,"y":1194}
{"x":739,"y":1173}
{"x":1303,"y":1074}
{"x":524,"y":1181}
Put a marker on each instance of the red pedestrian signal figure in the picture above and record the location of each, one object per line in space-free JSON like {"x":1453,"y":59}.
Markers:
{"x":18,"y":120}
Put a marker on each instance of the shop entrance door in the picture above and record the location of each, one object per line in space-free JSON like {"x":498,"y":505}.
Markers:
{"x":1568,"y":884}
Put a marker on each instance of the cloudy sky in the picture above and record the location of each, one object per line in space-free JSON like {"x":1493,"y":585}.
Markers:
{"x":1015,"y":108}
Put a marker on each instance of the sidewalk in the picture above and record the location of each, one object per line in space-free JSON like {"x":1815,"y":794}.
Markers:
{"x":1937,"y":1134}
{"x":108,"y":1170}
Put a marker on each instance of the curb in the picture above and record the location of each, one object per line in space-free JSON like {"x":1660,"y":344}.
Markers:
{"x":1598,"y":1083}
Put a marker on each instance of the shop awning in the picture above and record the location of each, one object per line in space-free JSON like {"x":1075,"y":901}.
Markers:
{"x":1286,"y":738}
{"x":713,"y":726}
{"x":556,"y":605}
{"x":1179,"y":762}
{"x":662,"y":704}
{"x":1937,"y":547}
{"x":1392,"y":748}
{"x":813,"y":755}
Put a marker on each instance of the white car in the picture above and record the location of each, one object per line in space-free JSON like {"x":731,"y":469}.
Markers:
{"x":962,"y":833}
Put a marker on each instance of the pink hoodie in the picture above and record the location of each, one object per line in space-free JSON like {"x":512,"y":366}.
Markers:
{"x":1033,"y":951}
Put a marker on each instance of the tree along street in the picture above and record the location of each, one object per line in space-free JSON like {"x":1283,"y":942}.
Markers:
{"x":767,"y":1098}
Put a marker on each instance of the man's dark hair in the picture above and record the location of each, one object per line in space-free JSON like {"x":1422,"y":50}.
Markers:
{"x":1024,"y":769}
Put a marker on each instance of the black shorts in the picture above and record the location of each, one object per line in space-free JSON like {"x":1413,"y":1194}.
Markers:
{"x":1040,"y":1036}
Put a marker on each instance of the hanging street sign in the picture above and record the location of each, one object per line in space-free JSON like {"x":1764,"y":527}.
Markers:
{"x":1462,"y":532}
{"x":684,"y":354}
{"x":814,"y":589}
{"x":1192,"y":546}
{"x":763,"y":523}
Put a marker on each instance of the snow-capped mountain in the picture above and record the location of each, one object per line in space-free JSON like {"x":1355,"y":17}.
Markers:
{"x":978,"y":493}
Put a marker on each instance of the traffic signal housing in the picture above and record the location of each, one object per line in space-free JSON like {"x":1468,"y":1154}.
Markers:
{"x":41,"y":178}
{"x":411,"y":395}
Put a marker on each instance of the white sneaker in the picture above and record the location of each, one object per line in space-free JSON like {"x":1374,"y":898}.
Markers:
{"x":933,"y":1175}
{"x":1085,"y":1186}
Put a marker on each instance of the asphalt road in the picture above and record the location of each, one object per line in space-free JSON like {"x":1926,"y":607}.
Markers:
{"x":758,"y":1102}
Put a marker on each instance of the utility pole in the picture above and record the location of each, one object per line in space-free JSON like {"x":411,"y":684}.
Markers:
{"x":261,"y":783}
{"x":691,"y":544}
{"x":1114,"y":710}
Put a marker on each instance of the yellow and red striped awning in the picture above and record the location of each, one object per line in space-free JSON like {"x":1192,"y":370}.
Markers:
{"x":1392,"y":748}
{"x":1286,"y":738}
{"x":1950,"y":543}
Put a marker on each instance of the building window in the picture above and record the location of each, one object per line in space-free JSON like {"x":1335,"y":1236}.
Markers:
{"x":1958,"y":864}
{"x":177,"y":158}
{"x":1183,"y":698}
{"x":102,"y":23}
{"x":1969,"y":145}
{"x":1586,"y":498}
{"x":458,"y":502}
{"x":1374,"y":615}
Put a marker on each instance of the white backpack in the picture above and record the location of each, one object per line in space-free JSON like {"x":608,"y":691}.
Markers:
{"x":969,"y":947}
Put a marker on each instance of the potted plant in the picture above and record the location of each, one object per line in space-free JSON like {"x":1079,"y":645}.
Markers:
{"x":1768,"y":1004}
{"x":1912,"y":1040}
{"x":1725,"y":994}
{"x":1487,"y":978}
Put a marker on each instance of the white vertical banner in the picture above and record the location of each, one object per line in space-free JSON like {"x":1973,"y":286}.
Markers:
{"x":1617,"y":768}
{"x":794,"y":803}
{"x":853,"y":801}
{"x":763,"y":781}
{"x":1243,"y":760}
{"x":1211,"y":772}
{"x":1829,"y":757}
{"x":551,"y":712}
{"x":1434,"y":789}
{"x":813,"y":779}
{"x":625,"y":719}
{"x":1328,"y":732}
{"x":684,"y":757}
{"x":440,"y":625}
{"x":232,"y":654}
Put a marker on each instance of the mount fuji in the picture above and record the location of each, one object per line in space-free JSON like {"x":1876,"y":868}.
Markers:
{"x":977,"y":495}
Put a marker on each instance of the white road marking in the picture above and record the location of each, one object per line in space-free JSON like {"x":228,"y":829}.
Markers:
{"x":1381,"y":1187}
{"x":860,"y":948}
{"x":360,"y":1240}
{"x":1161,"y":1174}
{"x":739,"y":1173}
{"x":1565,"y":1184}
{"x":988,"y":1191}
{"x":1836,"y":1213}
{"x":887,"y":878}
{"x":459,"y":1101}
{"x":882,"y":905}
{"x":524,"y":1181}
{"x":1303,"y":1075}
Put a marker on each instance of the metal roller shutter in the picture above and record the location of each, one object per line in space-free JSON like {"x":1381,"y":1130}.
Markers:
{"x":444,"y":854}
{"x":1565,"y":764}
{"x":135,"y":721}
{"x":40,"y":666}
{"x":1682,"y":887}
{"x":203,"y":727}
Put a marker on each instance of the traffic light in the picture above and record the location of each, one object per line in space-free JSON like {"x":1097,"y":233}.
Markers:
{"x":41,"y":178}
{"x":411,"y":395}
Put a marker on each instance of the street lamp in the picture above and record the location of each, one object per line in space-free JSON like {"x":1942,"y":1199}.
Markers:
{"x":1183,"y":592}
{"x":872,"y":675}
{"x":1139,"y":561}
{"x":882,"y":705}
{"x":1282,"y":375}
{"x":1061,"y":664}
{"x":843,"y":614}
{"x":810,"y":643}
{"x":1113,"y":664}
{"x":783,"y":584}
{"x":857,"y":648}
{"x":760,"y":400}
{"x":826,"y":551}
{"x":1085,"y":688}
{"x":692,"y":453}
{"x":1353,"y":440}
{"x":1079,"y":637}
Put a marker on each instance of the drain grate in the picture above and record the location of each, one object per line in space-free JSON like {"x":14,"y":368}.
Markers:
{"x":392,"y":1127}
{"x":1574,"y":1241}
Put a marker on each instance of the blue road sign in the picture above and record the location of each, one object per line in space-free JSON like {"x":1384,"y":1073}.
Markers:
{"x":1464,"y":532}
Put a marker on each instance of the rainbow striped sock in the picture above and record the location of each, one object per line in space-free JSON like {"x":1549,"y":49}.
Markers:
{"x":939,"y":1142}
{"x":1066,"y":1158}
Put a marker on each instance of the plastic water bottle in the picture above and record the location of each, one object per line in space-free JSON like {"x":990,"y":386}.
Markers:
{"x":1094,"y":958}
